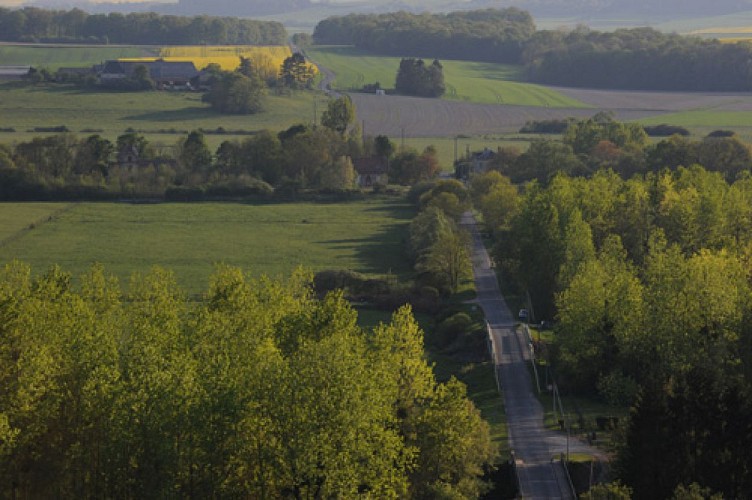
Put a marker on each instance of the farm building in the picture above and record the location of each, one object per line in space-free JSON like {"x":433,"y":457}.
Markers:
{"x":371,"y":171}
{"x":13,"y":72}
{"x":477,"y":162}
{"x":164,"y":73}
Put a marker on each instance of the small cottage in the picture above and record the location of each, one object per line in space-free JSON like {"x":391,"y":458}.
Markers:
{"x":371,"y":171}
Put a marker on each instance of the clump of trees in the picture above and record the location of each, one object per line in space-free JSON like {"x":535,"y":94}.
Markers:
{"x":32,"y":24}
{"x":408,"y":167}
{"x":259,"y":390}
{"x":416,"y":78}
{"x":233,"y":92}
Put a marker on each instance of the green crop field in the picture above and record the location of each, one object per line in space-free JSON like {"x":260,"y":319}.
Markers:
{"x":53,"y":57}
{"x":273,"y":239}
{"x":109,"y":113}
{"x":465,"y":80}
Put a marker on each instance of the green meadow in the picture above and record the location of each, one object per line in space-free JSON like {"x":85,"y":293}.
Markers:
{"x":190,"y":239}
{"x":465,"y":80}
{"x":53,"y":57}
{"x":24,"y":108}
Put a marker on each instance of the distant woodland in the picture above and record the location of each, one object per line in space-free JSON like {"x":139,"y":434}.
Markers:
{"x":483,"y":35}
{"x":640,"y":58}
{"x":31,"y":24}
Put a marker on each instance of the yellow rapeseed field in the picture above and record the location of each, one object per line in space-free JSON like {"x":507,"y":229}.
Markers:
{"x":268,"y":59}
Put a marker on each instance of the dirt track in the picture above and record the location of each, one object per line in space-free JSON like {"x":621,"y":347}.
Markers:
{"x":421,"y":117}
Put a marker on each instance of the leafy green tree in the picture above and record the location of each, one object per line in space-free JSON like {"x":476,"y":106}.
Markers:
{"x":141,"y":78}
{"x":339,"y":174}
{"x":383,"y":146}
{"x":195,"y":154}
{"x":339,"y":114}
{"x":235,"y":93}
{"x":93,"y":155}
{"x":296,"y":73}
{"x":450,"y":463}
{"x":448,"y":259}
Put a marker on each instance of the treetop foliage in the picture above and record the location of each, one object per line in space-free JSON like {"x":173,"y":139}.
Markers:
{"x":259,"y":390}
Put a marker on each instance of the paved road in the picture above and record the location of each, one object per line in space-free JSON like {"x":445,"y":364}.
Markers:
{"x":533,"y":445}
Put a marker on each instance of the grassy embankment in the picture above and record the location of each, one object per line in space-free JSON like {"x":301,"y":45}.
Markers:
{"x":365,"y":236}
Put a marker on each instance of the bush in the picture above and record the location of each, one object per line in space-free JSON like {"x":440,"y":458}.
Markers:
{"x":415,"y":193}
{"x":452,"y":327}
{"x":722,"y":133}
{"x":665,"y":130}
{"x":183,"y":193}
{"x":554,"y":126}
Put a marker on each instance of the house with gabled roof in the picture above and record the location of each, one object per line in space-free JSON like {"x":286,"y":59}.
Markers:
{"x":371,"y":171}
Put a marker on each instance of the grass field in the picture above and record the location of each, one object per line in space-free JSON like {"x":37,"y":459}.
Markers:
{"x":16,"y":218}
{"x":704,"y":121}
{"x":110,"y":113}
{"x":55,"y":56}
{"x":365,"y":236}
{"x":465,"y":81}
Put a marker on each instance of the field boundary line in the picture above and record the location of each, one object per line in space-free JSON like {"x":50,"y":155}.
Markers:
{"x":37,"y":223}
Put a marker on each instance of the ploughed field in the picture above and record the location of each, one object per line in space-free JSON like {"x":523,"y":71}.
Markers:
{"x":189,"y":239}
{"x":422,"y":117}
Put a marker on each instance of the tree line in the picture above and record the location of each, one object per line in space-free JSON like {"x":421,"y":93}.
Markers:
{"x":32,"y":24}
{"x":261,"y":390}
{"x":481,"y":35}
{"x":639,"y":58}
{"x":302,"y":157}
{"x":63,"y":166}
{"x":648,"y":279}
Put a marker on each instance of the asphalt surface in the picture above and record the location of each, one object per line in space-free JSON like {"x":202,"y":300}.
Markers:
{"x":537,"y":451}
